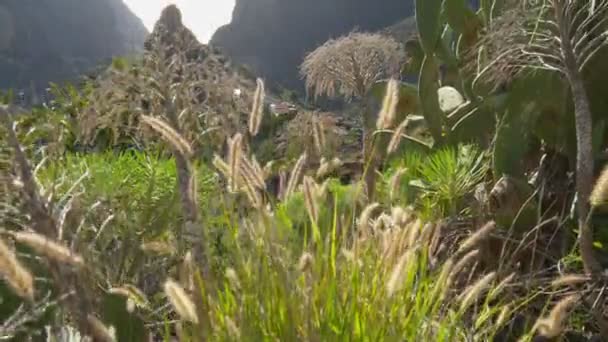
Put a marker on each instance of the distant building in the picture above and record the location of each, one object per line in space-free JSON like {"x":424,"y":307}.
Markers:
{"x":282,"y":108}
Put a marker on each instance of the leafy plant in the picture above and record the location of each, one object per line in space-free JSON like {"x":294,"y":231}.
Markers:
{"x":450,"y":174}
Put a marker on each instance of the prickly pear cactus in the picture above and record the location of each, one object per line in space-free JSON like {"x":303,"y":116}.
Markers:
{"x":429,"y":98}
{"x":449,"y":99}
{"x":428,"y":22}
{"x":128,"y":326}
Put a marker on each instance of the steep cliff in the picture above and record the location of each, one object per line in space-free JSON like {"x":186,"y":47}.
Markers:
{"x":54,"y":40}
{"x":272,"y":36}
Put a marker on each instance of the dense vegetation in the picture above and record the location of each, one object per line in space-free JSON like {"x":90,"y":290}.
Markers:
{"x":139,"y":208}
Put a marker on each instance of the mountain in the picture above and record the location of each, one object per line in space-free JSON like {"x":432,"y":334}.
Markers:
{"x":55,"y":40}
{"x":273,"y":36}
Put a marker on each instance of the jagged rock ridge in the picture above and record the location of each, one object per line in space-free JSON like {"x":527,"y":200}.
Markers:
{"x":56,"y":40}
{"x":272,"y":36}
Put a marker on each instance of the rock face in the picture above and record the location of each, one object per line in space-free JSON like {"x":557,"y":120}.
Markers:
{"x":55,"y":40}
{"x":273,"y":36}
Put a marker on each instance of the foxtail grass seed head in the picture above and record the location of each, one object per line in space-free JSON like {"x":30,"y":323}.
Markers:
{"x":18,"y":277}
{"x":158,"y":247}
{"x":221,"y":166}
{"x":427,"y":233}
{"x":397,"y":277}
{"x":48,"y":248}
{"x":294,"y":179}
{"x":268,"y":169}
{"x":474,"y":292}
{"x":599,"y":196}
{"x":503,"y":317}
{"x":234,"y":156}
{"x":232,"y":329}
{"x":170,"y":135}
{"x":395,"y":182}
{"x":306,"y":262}
{"x":310,"y":201}
{"x":389,"y":105}
{"x":400,"y":216}
{"x":321,"y":190}
{"x":257,"y":110}
{"x":570,"y":280}
{"x":253,"y":195}
{"x":553,"y":325}
{"x":259,"y":170}
{"x":383,"y":221}
{"x":318,"y":134}
{"x":180,"y":301}
{"x":135,"y":296}
{"x":477,"y":237}
{"x":444,"y":280}
{"x":186,"y":272}
{"x":393,"y":145}
{"x":192,"y":188}
{"x":413,"y":233}
{"x":233,"y":278}
{"x":463,"y":262}
{"x":250,"y":173}
{"x":323,"y":169}
{"x":365,"y":218}
{"x":99,"y":330}
{"x":498,"y":289}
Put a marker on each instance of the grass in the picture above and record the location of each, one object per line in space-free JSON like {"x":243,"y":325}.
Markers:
{"x":277,"y":276}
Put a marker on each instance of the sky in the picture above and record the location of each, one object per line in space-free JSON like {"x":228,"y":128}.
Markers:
{"x":203,"y":17}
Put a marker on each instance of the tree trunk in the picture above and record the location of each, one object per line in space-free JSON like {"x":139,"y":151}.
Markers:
{"x":584,"y":170}
{"x":584,"y":157}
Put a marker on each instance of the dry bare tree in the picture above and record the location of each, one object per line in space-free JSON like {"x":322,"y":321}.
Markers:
{"x":349,"y":66}
{"x":169,"y":95}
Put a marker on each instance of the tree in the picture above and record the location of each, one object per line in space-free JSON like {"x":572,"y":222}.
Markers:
{"x":562,"y":36}
{"x":349,"y":66}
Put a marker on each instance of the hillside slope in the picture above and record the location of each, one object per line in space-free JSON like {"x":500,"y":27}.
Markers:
{"x":272,"y":36}
{"x":54,"y":40}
